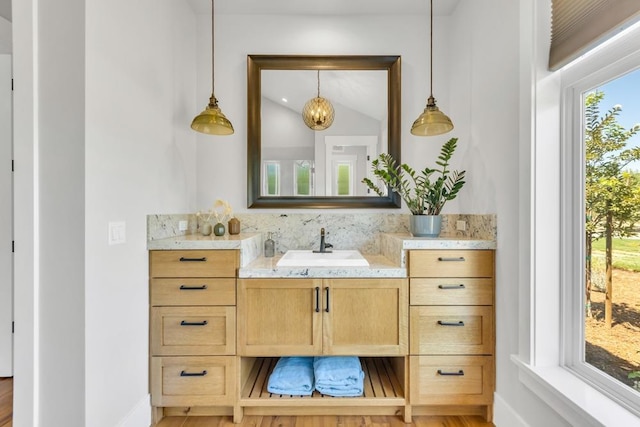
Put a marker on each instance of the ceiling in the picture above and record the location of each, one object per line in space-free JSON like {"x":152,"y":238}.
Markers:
{"x":5,"y":9}
{"x":324,"y":7}
{"x":297,"y":7}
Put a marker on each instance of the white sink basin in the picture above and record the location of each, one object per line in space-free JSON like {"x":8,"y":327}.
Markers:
{"x":342,"y":258}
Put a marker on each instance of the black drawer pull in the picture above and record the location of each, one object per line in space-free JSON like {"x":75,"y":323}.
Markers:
{"x":185,"y":323}
{"x":460,"y":258}
{"x":193,"y":288}
{"x":317,"y":299}
{"x":460,"y":373}
{"x":183,"y":259}
{"x":193,"y":374}
{"x":327,"y":308}
{"x":443,"y":323}
{"x":460,"y":286}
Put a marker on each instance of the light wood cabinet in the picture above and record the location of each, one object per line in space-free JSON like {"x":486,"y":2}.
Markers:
{"x":426,"y":342}
{"x":452,"y":331}
{"x":192,"y":296}
{"x":279,"y":317}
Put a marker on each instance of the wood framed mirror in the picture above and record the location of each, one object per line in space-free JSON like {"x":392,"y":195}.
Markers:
{"x":290,"y":165}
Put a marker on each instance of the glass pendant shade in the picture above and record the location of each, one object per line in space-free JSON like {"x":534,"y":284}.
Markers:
{"x":318,"y":113}
{"x":212,"y":121}
{"x":432,"y":121}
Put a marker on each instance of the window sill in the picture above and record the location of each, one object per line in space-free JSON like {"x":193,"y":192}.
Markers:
{"x":576,"y":401}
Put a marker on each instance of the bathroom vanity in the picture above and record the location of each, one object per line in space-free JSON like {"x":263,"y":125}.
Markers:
{"x":420,"y":317}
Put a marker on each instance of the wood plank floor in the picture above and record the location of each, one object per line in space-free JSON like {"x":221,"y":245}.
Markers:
{"x":324,"y":421}
{"x":6,"y":413}
{"x":6,"y":402}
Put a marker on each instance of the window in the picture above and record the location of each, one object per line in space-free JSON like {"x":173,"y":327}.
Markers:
{"x":303,"y":182}
{"x":343,"y":175}
{"x":601,"y":215}
{"x":271,"y":178}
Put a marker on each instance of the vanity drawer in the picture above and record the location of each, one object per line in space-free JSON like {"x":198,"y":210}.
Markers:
{"x":451,"y":380}
{"x":451,"y":330}
{"x":451,"y":291}
{"x":193,"y":330}
{"x":193,"y":381}
{"x":190,"y":291}
{"x":451,"y":263}
{"x":204,"y":263}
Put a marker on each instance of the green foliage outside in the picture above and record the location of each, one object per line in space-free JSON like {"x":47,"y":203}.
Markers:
{"x":272,"y":179}
{"x":626,"y":254}
{"x":343,"y":180}
{"x":303,"y":179}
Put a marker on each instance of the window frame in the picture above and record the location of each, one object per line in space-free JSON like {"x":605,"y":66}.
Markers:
{"x":542,"y":357}
{"x":265,"y":176}
{"x":576,"y":83}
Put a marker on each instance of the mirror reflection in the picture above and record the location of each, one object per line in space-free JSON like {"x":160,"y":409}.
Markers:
{"x":298,"y":161}
{"x":291,"y":165}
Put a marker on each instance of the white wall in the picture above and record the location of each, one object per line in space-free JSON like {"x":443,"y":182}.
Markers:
{"x":91,"y":297}
{"x":5,"y":36}
{"x":477,"y":82}
{"x":61,"y":172}
{"x":140,"y":159}
{"x":101,"y":134}
{"x":222,"y":160}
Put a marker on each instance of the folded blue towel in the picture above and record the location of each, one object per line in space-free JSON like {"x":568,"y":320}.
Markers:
{"x":339,"y":375}
{"x":292,"y":375}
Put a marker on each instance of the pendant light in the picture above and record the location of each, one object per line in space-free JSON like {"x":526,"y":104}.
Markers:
{"x":432,"y":121}
{"x":318,"y":112}
{"x":211,"y":121}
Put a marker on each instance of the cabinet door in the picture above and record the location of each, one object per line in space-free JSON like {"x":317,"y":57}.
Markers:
{"x":279,"y":317}
{"x":366,"y":317}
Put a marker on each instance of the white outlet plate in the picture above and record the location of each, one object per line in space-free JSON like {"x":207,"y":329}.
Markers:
{"x":117,"y":232}
{"x":183,"y":225}
{"x":461,"y":225}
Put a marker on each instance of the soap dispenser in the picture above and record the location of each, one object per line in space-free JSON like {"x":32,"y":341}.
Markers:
{"x":269,"y":246}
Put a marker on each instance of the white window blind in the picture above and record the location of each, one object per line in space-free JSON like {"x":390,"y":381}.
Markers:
{"x":579,"y":25}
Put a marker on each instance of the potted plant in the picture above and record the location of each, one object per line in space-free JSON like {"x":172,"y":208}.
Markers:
{"x":425,"y":192}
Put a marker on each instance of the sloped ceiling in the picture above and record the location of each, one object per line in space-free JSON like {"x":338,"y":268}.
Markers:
{"x":5,"y":9}
{"x":325,"y":7}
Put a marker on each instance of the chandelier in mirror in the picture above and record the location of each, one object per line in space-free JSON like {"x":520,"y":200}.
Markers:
{"x":318,"y":112}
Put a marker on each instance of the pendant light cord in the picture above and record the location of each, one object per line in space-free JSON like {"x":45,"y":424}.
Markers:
{"x":318,"y":83}
{"x":430,"y":52}
{"x":213,"y":45}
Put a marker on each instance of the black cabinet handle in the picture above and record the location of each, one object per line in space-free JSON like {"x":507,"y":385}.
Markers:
{"x":460,"y":373}
{"x":317,"y":299}
{"x":444,"y":323}
{"x":460,"y":258}
{"x":185,"y":323}
{"x":327,"y":308}
{"x":460,"y":286}
{"x":193,"y":374}
{"x":193,"y":288}
{"x":183,"y":259}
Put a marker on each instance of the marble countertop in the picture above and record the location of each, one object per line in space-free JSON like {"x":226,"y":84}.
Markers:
{"x":390,"y":262}
{"x":443,"y":242}
{"x":379,"y":266}
{"x":249,"y":244}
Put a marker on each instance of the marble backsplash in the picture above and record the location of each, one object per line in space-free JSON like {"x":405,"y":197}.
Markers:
{"x":359,"y":231}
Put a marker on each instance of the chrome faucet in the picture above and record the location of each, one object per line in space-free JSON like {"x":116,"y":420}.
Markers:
{"x":323,"y":245}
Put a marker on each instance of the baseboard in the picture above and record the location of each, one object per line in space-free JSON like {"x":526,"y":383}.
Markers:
{"x":504,"y":415}
{"x":140,"y":415}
